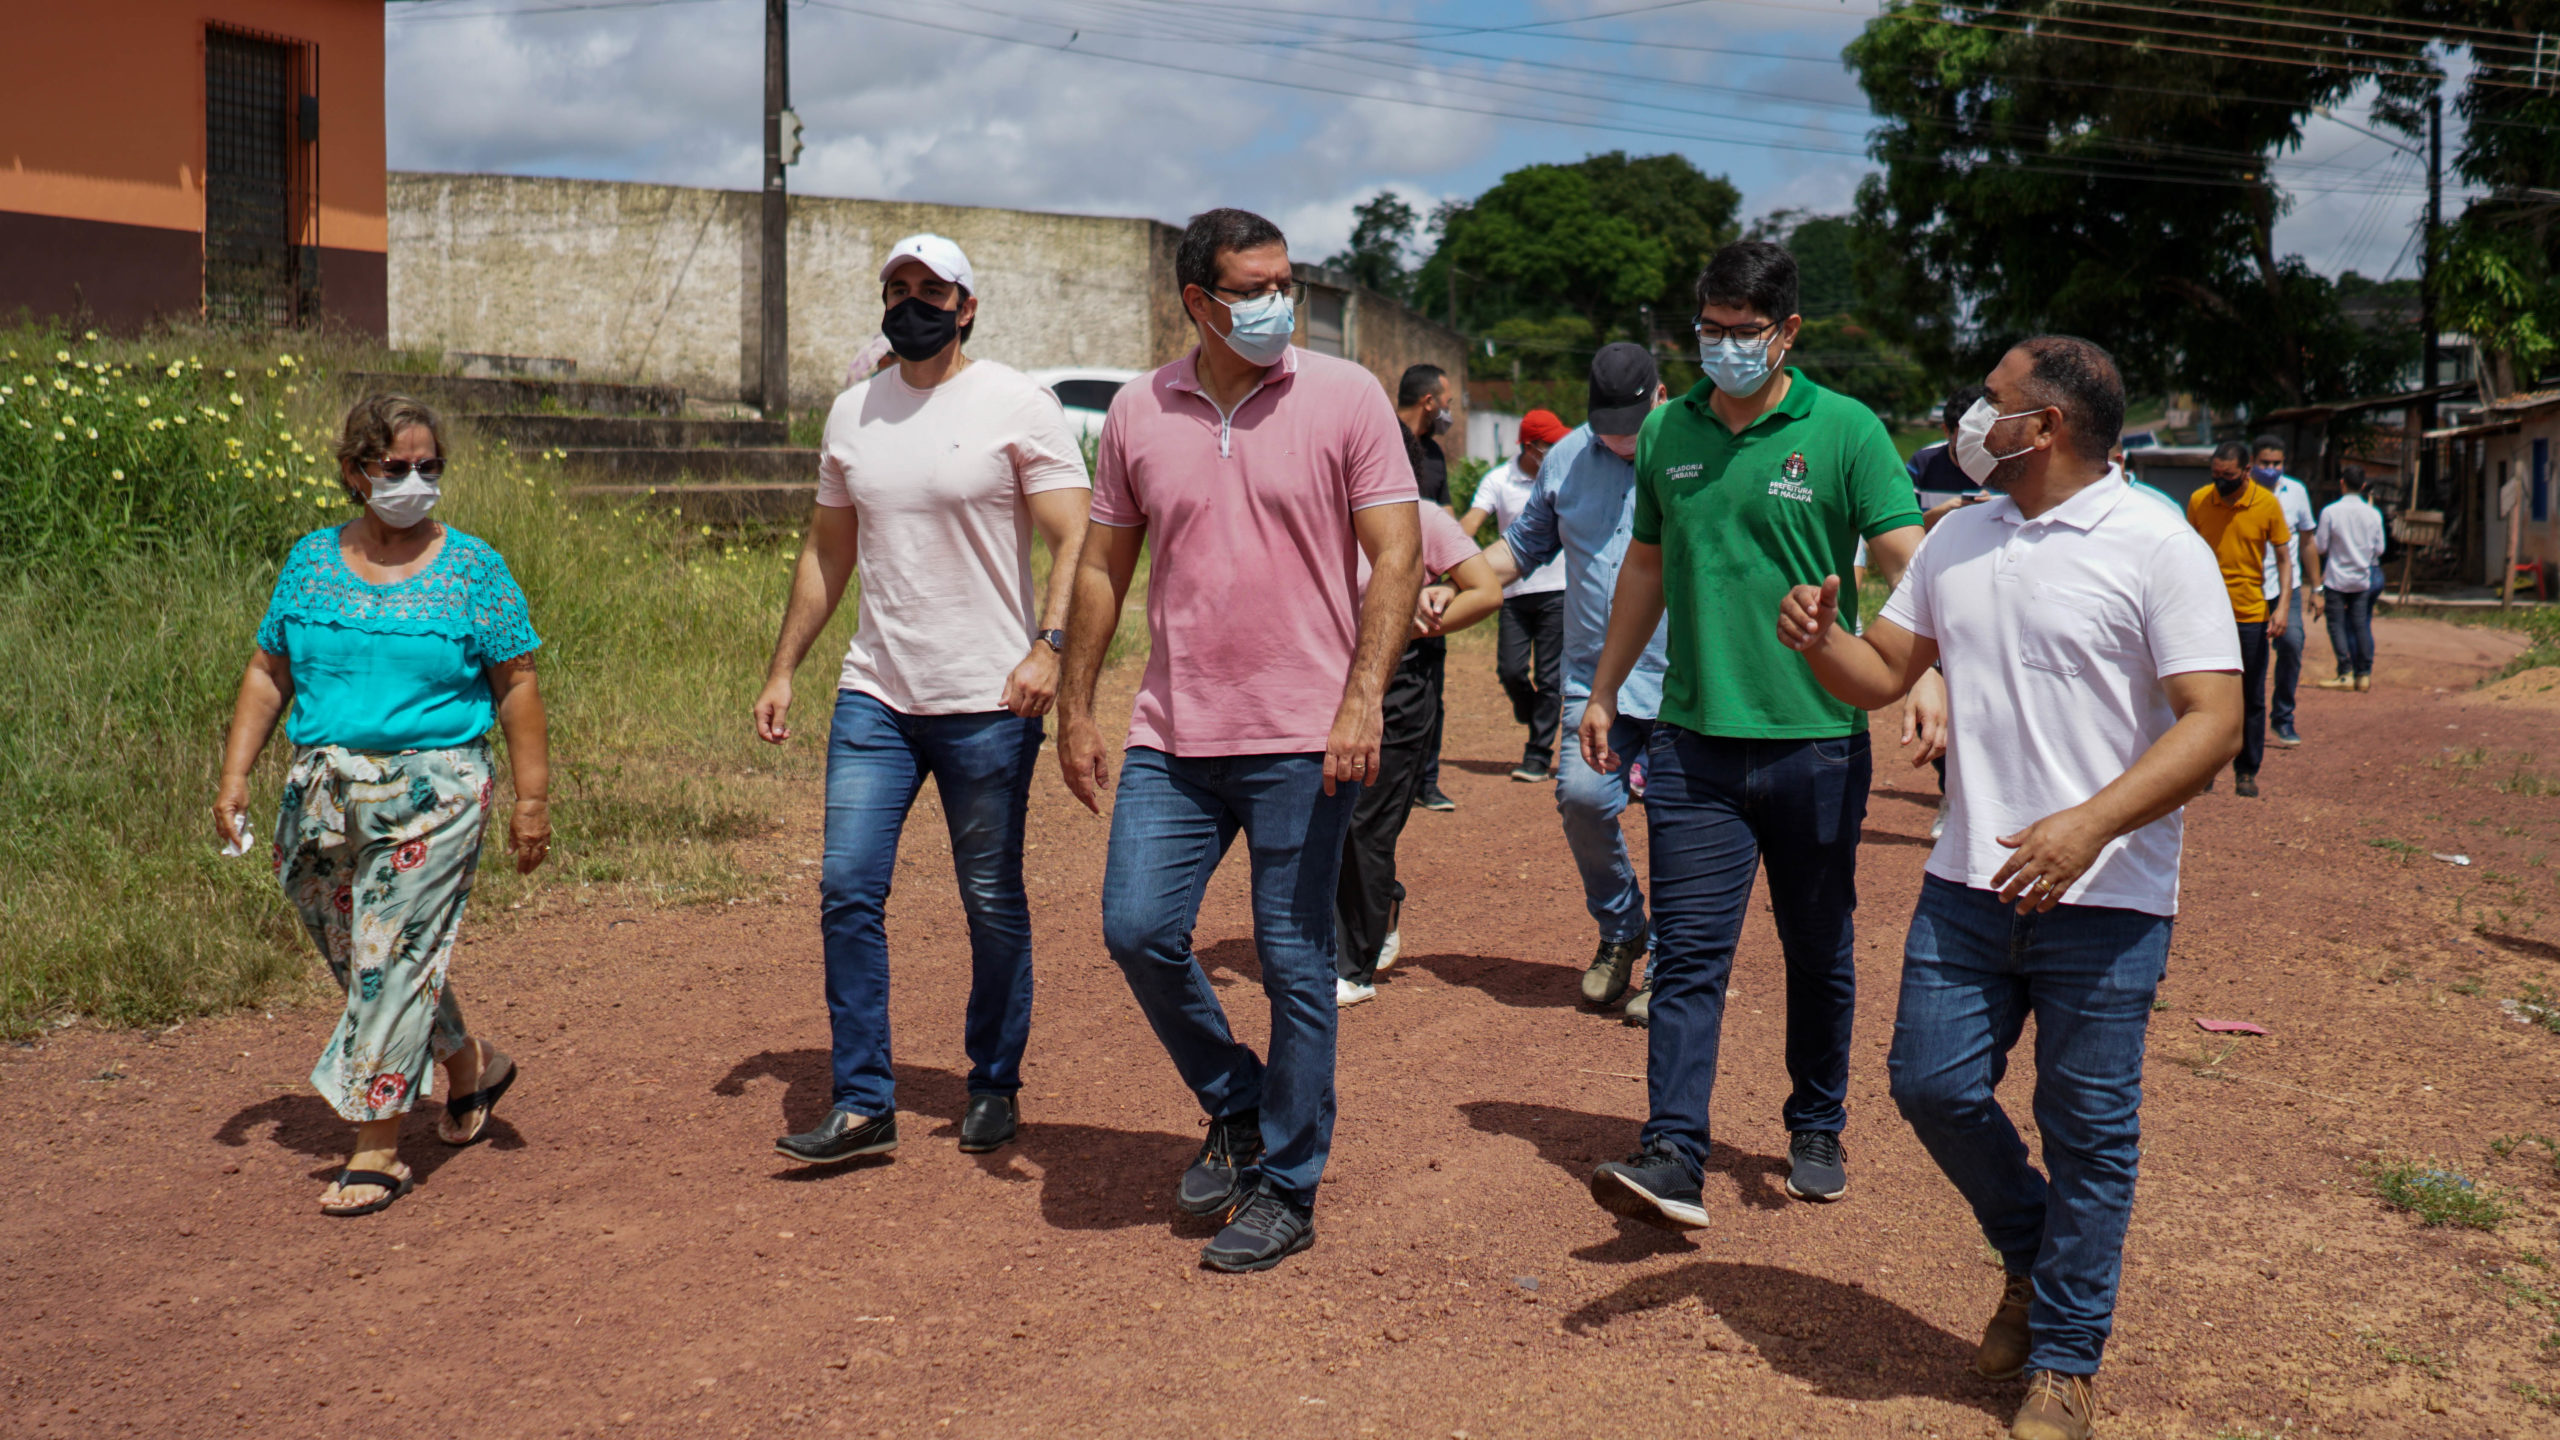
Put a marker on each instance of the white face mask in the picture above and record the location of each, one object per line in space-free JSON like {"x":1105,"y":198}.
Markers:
{"x":404,"y":502}
{"x":1973,"y":441}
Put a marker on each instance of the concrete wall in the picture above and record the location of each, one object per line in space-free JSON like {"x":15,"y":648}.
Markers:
{"x":1385,"y":336}
{"x":658,"y":284}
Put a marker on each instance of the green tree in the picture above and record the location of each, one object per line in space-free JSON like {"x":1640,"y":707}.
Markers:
{"x":2036,"y":180}
{"x":2500,"y":271}
{"x":1381,"y":232}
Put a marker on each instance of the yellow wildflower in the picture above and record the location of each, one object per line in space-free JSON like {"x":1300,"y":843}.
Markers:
{"x":142,"y":402}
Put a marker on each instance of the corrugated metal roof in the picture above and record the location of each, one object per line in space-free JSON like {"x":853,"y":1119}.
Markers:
{"x":2529,"y":400}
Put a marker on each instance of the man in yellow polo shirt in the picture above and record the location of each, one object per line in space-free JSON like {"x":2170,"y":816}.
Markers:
{"x":2242,"y":521}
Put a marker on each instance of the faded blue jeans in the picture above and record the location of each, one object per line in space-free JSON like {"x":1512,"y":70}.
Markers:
{"x":982,"y":763}
{"x":1717,"y":810}
{"x":1171,"y":822}
{"x":1972,"y":972}
{"x":1590,"y":804}
{"x":2350,"y":615}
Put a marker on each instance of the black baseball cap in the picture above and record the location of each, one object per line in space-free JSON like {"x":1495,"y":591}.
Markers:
{"x":1623,"y":379}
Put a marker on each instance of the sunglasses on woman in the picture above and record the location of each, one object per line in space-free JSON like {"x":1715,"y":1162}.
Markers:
{"x":428,"y":470}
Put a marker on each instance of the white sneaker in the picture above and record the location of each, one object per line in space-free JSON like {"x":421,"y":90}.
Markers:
{"x":1388,"y":949}
{"x":1938,"y":825}
{"x":1346,"y":994}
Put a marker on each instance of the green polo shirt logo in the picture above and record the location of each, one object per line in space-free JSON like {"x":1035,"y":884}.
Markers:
{"x":1743,"y":518}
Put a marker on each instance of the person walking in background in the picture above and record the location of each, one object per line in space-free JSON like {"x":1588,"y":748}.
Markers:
{"x":1369,"y":900}
{"x":1426,"y":404}
{"x":2349,"y":546}
{"x":2241,"y":520}
{"x":398,"y":640}
{"x":1528,"y":655}
{"x":2093,"y":691}
{"x":1754,"y":482}
{"x":933,"y":475}
{"x":1581,"y":510}
{"x":1939,"y":485}
{"x":2266,"y":466}
{"x":1252,"y":474}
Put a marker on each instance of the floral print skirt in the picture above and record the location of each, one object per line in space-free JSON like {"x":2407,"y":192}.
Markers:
{"x":377,"y":854}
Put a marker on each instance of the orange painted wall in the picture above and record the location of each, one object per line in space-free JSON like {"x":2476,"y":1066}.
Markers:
{"x":102,"y":109}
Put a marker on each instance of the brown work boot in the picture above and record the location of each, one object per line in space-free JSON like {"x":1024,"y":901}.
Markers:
{"x":2059,"y":1407}
{"x":2004,"y":1341}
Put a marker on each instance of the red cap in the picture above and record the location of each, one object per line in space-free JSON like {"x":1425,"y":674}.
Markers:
{"x":1541,"y":427}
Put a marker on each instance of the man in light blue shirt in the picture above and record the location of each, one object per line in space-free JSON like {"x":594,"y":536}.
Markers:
{"x":1583,"y":508}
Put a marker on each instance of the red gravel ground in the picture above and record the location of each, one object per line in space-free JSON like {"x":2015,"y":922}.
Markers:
{"x":629,"y":1254}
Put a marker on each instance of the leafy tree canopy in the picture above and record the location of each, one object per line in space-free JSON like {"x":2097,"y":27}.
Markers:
{"x":1381,"y":232}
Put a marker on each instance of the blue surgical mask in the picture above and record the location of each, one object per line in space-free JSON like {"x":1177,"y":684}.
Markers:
{"x":1738,"y":367}
{"x":2267,"y":474}
{"x":1263,"y":326}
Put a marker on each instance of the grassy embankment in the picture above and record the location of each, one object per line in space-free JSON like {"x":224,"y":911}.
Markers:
{"x":148,"y":490}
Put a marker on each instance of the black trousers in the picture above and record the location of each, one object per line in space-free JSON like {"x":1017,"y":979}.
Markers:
{"x":2253,"y":697}
{"x":1365,"y":897}
{"x":1529,"y":660}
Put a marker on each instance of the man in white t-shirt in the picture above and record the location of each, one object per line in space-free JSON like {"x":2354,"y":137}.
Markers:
{"x":933,"y":476}
{"x":2349,"y":542}
{"x":2093,"y":686}
{"x":2266,"y":465}
{"x":1529,"y":653}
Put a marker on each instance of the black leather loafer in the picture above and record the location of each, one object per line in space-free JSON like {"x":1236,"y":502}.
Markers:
{"x":988,"y":1123}
{"x":842,"y":1136}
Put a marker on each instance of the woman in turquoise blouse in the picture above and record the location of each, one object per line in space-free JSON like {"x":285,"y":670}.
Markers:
{"x":398,"y":640}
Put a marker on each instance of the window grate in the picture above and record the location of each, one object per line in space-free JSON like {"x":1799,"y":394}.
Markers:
{"x":251,"y":269}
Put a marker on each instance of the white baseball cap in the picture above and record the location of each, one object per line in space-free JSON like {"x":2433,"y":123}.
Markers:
{"x":939,"y":256}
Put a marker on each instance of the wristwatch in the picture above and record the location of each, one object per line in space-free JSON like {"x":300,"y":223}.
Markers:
{"x":1057,"y":639}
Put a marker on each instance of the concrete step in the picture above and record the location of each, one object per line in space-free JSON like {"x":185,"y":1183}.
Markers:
{"x":741,"y":464}
{"x":458,"y":394}
{"x":628,"y":432}
{"x":769,"y":503}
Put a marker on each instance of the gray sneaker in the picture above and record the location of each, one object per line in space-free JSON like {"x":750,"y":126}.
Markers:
{"x":1268,"y":1229}
{"x":1639,"y":1011}
{"x":1816,"y":1169}
{"x":1612,"y":966}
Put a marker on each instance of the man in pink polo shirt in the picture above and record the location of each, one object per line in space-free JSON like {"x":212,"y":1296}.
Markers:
{"x":1262,"y":474}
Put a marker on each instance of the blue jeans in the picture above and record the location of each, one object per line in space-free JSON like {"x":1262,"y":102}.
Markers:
{"x":2351,"y":629}
{"x":1973,"y":971}
{"x":1716,"y":809}
{"x":1590,"y":803}
{"x":1173,"y":820}
{"x":877,"y":759}
{"x":2287,"y":644}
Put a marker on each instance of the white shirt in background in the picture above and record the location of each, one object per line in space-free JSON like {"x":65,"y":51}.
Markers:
{"x":2055,"y":635}
{"x":1505,"y":492}
{"x":2297,"y":518}
{"x":2350,"y":541}
{"x":939,"y":482}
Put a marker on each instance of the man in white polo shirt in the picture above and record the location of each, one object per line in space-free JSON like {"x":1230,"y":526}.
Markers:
{"x":933,"y":476}
{"x":2093,"y":687}
{"x":2349,"y":546}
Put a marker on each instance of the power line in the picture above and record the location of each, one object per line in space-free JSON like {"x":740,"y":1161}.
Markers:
{"x":2039,"y":28}
{"x":2350,"y":15}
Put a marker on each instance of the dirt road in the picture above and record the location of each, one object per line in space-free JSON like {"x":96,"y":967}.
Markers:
{"x":629,"y":1253}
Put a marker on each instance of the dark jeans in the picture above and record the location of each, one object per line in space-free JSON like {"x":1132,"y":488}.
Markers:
{"x":1973,"y":971}
{"x":2351,"y":629}
{"x":1367,"y":894}
{"x":1173,"y":820}
{"x":1716,"y":809}
{"x":2287,"y":644}
{"x":981,"y":764}
{"x":2253,"y":698}
{"x":1529,"y":660}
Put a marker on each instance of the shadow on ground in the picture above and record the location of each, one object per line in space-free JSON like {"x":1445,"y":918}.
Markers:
{"x":1091,"y":1177}
{"x":1836,"y":1338}
{"x":1521,"y":984}
{"x":306,"y":1125}
{"x":1576,"y":1140}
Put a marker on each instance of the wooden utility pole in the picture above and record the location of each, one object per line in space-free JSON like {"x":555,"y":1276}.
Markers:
{"x":774,"y":322}
{"x":2425,"y":473}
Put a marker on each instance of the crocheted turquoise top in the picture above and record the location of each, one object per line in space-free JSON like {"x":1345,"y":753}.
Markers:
{"x":402,"y":666}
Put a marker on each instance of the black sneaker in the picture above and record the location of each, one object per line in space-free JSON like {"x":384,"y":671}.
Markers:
{"x":842,"y":1136}
{"x":1653,"y":1187}
{"x":1816,"y":1168}
{"x":1430,"y":798}
{"x":1266,"y":1230}
{"x":989,"y":1123}
{"x":1612,"y":966}
{"x":1533,"y":769}
{"x":1224,"y":1175}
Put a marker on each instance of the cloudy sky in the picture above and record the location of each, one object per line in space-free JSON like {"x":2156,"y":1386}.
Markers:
{"x":1298,"y":108}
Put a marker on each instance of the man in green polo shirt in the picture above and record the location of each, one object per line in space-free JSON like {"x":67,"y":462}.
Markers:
{"x":1755,"y":481}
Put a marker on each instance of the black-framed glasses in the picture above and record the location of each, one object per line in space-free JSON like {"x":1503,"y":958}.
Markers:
{"x":1715,"y":334}
{"x":1295,"y":291}
{"x":429,"y":470}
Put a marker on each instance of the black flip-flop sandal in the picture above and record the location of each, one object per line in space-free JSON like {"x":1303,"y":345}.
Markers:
{"x":392,"y":1186}
{"x":485,"y":1100}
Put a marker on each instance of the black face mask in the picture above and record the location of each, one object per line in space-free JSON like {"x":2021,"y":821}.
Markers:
{"x":918,"y":329}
